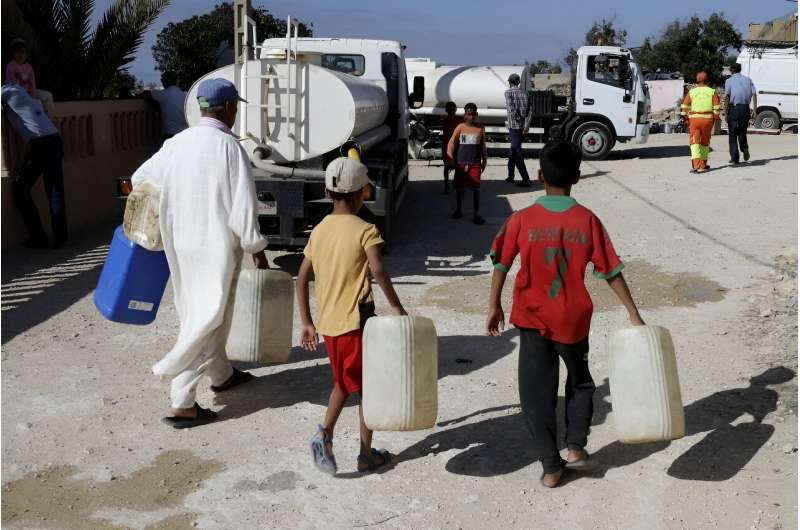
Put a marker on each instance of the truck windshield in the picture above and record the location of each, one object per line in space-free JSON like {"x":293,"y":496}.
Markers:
{"x":604,"y":69}
{"x":347,"y":64}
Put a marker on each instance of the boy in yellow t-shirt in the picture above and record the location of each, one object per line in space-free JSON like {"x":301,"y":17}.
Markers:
{"x":340,"y":253}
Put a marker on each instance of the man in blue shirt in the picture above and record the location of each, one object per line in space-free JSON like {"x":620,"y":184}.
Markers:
{"x":739,"y":90}
{"x":44,"y":153}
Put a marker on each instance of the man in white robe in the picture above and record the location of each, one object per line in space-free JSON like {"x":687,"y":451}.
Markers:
{"x":208,"y":220}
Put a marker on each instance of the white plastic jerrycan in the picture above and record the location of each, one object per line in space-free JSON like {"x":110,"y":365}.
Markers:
{"x":140,"y":223}
{"x":645,"y":393}
{"x":400,"y":373}
{"x":260,"y":319}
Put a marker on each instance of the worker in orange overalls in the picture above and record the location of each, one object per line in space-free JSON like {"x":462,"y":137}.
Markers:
{"x":701,"y":105}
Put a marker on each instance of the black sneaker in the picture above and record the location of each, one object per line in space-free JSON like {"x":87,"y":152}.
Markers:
{"x":732,"y":161}
{"x":524,"y":184}
{"x":457,"y":214}
{"x":746,"y":154}
{"x":510,"y":180}
{"x":478,"y":220}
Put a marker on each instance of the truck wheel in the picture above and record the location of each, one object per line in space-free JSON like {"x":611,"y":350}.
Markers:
{"x":768,"y":119}
{"x":594,"y":139}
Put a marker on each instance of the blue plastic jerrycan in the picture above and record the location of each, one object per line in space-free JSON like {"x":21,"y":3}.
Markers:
{"x":132,"y":282}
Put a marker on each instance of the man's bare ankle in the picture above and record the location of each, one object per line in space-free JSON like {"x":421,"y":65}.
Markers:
{"x":577,"y":454}
{"x":191,"y":412}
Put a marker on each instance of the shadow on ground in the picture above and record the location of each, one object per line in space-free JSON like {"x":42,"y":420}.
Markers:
{"x":40,"y":283}
{"x":655,"y":151}
{"x":758,"y":162}
{"x":422,"y":240}
{"x":500,"y":445}
{"x":727,"y":448}
{"x":458,"y":355}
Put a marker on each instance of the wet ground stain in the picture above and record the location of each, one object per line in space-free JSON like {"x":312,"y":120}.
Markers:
{"x":275,"y":483}
{"x":651,"y":286}
{"x":53,"y":498}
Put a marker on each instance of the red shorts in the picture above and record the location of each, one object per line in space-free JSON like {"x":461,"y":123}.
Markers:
{"x":344,"y":353}
{"x":468,"y":176}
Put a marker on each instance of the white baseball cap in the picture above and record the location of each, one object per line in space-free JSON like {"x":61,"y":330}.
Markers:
{"x":346,"y":175}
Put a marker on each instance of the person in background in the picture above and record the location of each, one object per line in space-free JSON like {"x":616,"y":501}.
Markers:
{"x":739,"y":91}
{"x":207,"y":217}
{"x":19,"y":71}
{"x":43,"y":155}
{"x":556,"y":238}
{"x":341,"y":252}
{"x":449,"y":124}
{"x":467,"y":150}
{"x":171,"y":101}
{"x":701,"y":107}
{"x":519,"y":119}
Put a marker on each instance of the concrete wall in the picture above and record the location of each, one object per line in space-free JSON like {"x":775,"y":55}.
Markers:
{"x":103,"y":140}
{"x":665,"y":94}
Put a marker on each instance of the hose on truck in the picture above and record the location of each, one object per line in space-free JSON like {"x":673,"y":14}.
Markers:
{"x":352,"y":148}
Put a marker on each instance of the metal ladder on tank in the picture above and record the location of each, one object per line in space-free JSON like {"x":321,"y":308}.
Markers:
{"x":290,"y":102}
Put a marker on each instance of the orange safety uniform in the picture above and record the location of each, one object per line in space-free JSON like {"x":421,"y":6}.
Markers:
{"x":702,"y":106}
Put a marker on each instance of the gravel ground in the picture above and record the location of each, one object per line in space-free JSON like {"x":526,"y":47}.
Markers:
{"x":711,"y":257}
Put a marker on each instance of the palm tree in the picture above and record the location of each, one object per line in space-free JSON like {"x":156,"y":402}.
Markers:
{"x":71,"y":59}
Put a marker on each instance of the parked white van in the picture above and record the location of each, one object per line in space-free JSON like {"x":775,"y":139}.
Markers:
{"x":774,"y":73}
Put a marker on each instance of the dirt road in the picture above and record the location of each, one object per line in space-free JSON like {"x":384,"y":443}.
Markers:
{"x":712,"y":258}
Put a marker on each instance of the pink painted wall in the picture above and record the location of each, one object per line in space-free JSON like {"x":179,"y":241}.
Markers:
{"x":665,"y":94}
{"x":103,"y":140}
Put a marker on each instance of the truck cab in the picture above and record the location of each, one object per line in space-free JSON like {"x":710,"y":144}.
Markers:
{"x":611,"y":101}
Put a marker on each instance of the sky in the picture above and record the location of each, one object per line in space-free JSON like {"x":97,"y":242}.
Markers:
{"x":474,"y":31}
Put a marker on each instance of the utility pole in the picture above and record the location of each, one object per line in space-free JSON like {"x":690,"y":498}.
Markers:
{"x":242,"y":9}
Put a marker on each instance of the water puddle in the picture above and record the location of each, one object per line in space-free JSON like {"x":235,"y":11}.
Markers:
{"x":652,"y":287}
{"x":53,"y":498}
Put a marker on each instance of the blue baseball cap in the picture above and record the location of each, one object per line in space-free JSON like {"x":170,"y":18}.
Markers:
{"x":215,"y":92}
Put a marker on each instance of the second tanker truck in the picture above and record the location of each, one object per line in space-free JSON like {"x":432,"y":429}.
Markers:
{"x":601,"y":102}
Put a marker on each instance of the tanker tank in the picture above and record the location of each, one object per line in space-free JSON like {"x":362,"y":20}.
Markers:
{"x":483,"y":85}
{"x":327,"y":110}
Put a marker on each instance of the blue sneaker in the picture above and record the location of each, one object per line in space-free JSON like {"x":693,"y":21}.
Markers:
{"x":322,"y":451}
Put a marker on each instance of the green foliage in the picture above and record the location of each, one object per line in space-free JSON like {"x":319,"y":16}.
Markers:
{"x":571,"y":59}
{"x":545,"y":67}
{"x":189,"y":48}
{"x":601,"y":33}
{"x":71,"y":60}
{"x":605,"y":34}
{"x":691,"y":46}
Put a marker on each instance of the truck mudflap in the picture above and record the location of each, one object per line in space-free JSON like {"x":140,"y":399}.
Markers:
{"x":280,"y":203}
{"x":289,"y":208}
{"x":642,"y":133}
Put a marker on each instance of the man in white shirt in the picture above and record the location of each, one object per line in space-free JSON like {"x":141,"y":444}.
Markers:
{"x":171,"y":101}
{"x":208,"y":219}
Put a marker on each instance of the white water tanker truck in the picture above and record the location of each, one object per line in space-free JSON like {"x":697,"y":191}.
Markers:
{"x":309,"y":101}
{"x":602,"y":101}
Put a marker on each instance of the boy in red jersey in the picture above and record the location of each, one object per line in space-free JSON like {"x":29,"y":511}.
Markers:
{"x":556,"y":238}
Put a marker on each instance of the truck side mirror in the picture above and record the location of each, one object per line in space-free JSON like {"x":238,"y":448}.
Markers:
{"x":417,"y":97}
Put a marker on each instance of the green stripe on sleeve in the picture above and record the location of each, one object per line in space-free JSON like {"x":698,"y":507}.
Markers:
{"x":502,"y":268}
{"x":614,"y":272}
